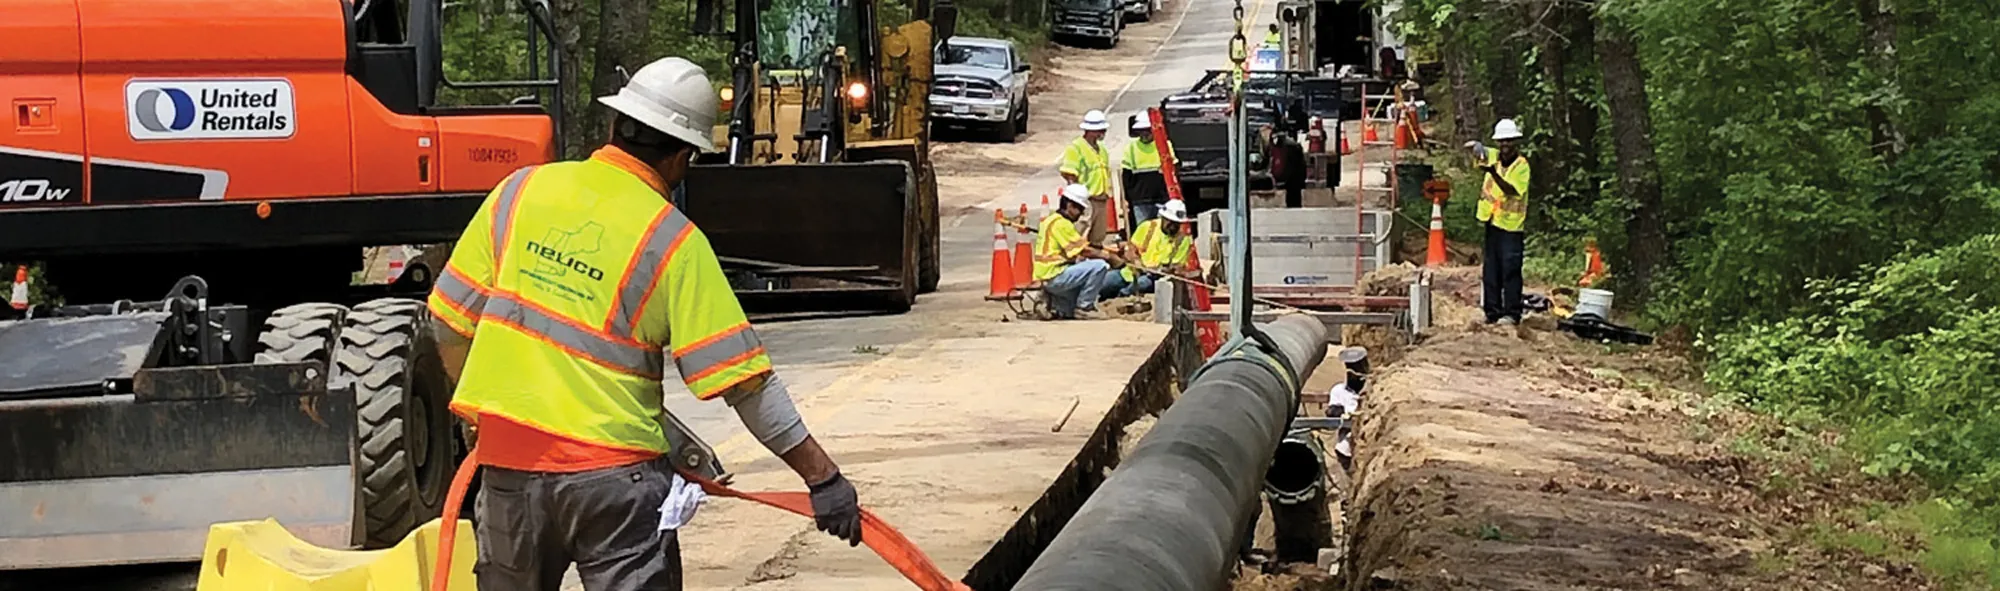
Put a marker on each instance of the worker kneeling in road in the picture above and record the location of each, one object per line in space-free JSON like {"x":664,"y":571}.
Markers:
{"x":1072,"y":271}
{"x":1161,"y":247}
{"x":574,"y":285}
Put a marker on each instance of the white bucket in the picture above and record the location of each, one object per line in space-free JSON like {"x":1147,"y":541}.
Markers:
{"x":1594,"y":301}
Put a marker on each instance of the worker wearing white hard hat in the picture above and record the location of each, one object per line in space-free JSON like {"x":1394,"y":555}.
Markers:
{"x":557,"y":369}
{"x":1086,"y":162}
{"x":1503,"y":209}
{"x":1071,"y":269}
{"x":1140,"y":178}
{"x":1159,"y":246}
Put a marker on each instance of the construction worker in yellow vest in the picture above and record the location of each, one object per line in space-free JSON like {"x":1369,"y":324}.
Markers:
{"x":1273,"y":38}
{"x":1503,"y":207}
{"x":1159,"y":246}
{"x":1072,"y":271}
{"x":574,"y":286}
{"x":1139,"y":176}
{"x":1086,"y":162}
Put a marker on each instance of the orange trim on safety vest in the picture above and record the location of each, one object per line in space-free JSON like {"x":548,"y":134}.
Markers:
{"x":672,"y":247}
{"x":725,"y":386}
{"x":622,"y":160}
{"x":719,"y":335}
{"x":646,"y":372}
{"x":632,"y":268}
{"x":505,"y":207}
{"x":471,"y":412}
{"x":726,"y":364}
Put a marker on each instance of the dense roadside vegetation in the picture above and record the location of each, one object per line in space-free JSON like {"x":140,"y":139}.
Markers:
{"x":1808,"y":190}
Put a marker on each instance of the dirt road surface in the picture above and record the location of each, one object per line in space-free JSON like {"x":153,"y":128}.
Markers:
{"x":942,"y":416}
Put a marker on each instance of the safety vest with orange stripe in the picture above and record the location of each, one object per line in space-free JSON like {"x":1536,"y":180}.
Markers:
{"x":1057,"y":243}
{"x":576,"y":282}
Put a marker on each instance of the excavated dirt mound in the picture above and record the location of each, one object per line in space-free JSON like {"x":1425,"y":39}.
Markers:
{"x":1514,"y":458}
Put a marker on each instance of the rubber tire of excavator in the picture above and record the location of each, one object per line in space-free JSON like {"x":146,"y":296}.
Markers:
{"x":301,"y":332}
{"x":929,"y":260}
{"x":407,"y":435}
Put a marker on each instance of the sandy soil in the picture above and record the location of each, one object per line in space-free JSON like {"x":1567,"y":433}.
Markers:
{"x":1516,"y":458}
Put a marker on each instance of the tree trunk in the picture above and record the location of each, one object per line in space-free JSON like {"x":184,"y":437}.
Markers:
{"x":1582,"y":32}
{"x":1638,"y":170}
{"x":1552,"y":167}
{"x":1464,"y":98}
{"x":1878,"y":19}
{"x":1506,"y":69}
{"x":571,"y":17}
{"x":623,"y":26}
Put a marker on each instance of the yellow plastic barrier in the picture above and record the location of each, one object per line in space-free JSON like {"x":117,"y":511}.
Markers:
{"x":263,"y":556}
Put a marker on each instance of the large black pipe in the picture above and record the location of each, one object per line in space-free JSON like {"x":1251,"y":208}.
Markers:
{"x":1296,"y":484}
{"x":1173,"y":514}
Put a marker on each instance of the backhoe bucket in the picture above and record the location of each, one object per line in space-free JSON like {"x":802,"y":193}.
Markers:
{"x":804,"y":238}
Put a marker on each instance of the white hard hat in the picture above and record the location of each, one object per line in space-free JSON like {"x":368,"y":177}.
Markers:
{"x":1077,"y":193}
{"x":1141,"y":121}
{"x":1175,"y":211}
{"x":1506,"y":130}
{"x":671,"y":95}
{"x":1094,"y":121}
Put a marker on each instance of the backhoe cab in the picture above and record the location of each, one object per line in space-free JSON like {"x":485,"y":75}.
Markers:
{"x":823,"y":196}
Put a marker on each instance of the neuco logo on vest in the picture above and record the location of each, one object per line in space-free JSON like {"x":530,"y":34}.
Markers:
{"x":185,"y":109}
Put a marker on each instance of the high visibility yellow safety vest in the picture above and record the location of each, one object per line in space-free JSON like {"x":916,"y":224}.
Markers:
{"x":576,"y":282}
{"x":1513,"y":211}
{"x":1055,"y":245}
{"x":1142,"y":156}
{"x":1157,"y":250}
{"x":1092,"y":166}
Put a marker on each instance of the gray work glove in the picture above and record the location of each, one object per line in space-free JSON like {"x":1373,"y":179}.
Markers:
{"x":836,"y":509}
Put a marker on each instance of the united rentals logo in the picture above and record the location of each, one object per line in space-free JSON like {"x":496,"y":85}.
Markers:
{"x":186,"y":109}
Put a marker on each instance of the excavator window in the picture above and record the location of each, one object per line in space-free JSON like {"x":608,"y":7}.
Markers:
{"x":438,"y":58}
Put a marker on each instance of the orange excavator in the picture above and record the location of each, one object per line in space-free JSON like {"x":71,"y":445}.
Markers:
{"x":198,"y":180}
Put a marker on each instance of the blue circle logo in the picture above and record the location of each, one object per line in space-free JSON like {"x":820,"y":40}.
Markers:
{"x":147,"y":108}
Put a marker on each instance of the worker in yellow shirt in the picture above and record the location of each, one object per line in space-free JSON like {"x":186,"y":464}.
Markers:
{"x":568,"y":297}
{"x":1159,"y":246}
{"x":1144,"y":186}
{"x":1071,"y":270}
{"x":1086,"y":162}
{"x":1503,"y":208}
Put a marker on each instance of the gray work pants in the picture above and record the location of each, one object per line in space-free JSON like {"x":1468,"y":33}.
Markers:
{"x":532,"y":525}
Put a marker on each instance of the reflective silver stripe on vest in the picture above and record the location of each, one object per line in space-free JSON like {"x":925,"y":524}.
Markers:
{"x":503,"y":210}
{"x":638,"y":360}
{"x":457,"y":291}
{"x":651,"y":261}
{"x":708,"y":357}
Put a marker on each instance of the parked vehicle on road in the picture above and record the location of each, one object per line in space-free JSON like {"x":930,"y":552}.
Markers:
{"x":1197,"y":123}
{"x":1098,"y":21}
{"x":982,"y":83}
{"x":1139,"y":11}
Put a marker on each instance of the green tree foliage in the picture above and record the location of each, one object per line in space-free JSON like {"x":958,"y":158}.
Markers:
{"x":1830,"y":175}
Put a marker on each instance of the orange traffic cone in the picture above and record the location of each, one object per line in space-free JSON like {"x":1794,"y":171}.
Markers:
{"x":1368,"y":132}
{"x":1436,"y":256}
{"x":1044,"y":213}
{"x":1000,"y":284}
{"x":20,"y":299}
{"x":1345,"y":150}
{"x":1024,"y":253}
{"x":1403,"y":138}
{"x":1593,"y":265}
{"x":1111,"y":217}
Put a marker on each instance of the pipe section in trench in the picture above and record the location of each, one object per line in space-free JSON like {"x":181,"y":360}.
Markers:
{"x":1177,"y":509}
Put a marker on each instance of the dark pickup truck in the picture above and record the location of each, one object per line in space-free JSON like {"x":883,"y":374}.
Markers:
{"x":1197,"y":123}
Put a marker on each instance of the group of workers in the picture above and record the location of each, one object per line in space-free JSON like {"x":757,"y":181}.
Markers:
{"x":1075,"y":265}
